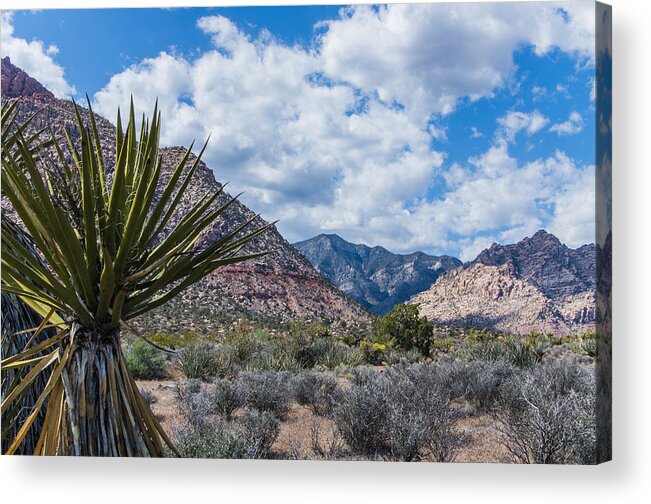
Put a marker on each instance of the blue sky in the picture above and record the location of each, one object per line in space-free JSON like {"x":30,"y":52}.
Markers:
{"x":435,"y":127}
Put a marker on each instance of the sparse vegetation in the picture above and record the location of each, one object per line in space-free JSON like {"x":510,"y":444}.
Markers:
{"x":403,"y":407}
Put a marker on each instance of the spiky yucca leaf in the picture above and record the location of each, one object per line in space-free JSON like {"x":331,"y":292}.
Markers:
{"x":106,"y":259}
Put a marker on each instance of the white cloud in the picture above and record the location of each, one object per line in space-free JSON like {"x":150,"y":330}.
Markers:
{"x":412,"y":53}
{"x":475,"y":133}
{"x":338,"y":137}
{"x":34,"y":58}
{"x":572,"y":126}
{"x":514,"y":122}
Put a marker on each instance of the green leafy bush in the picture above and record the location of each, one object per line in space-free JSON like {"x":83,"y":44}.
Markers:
{"x":144,"y":361}
{"x":406,"y":329}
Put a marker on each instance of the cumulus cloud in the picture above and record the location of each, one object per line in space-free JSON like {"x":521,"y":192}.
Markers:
{"x":34,"y":57}
{"x":514,"y":122}
{"x":572,"y":126}
{"x":338,"y":137}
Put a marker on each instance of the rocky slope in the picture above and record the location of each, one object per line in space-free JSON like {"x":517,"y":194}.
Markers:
{"x":375,"y":277}
{"x":535,"y":284}
{"x":276,"y":288}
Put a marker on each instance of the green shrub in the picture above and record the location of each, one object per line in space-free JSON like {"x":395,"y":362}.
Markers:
{"x":245,"y":343}
{"x":406,"y":329}
{"x":374,"y":353}
{"x":144,"y":361}
{"x":174,"y":341}
{"x":443,"y":344}
{"x":198,"y":360}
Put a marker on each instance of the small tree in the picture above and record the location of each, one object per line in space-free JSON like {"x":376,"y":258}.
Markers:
{"x":406,"y":329}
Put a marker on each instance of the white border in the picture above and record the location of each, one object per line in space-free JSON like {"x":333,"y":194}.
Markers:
{"x":627,"y":479}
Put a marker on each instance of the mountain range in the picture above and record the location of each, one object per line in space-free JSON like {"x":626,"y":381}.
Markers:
{"x":375,"y":277}
{"x":535,"y":284}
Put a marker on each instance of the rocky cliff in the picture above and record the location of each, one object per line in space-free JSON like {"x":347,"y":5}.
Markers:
{"x":535,"y":284}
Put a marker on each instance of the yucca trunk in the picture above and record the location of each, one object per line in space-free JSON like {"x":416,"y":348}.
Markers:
{"x":102,"y":411}
{"x":17,"y":320}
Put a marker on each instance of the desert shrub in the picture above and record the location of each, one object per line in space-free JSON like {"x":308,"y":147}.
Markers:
{"x":245,"y":343}
{"x":148,"y":396}
{"x":226,"y":398}
{"x":329,"y":353}
{"x":175,"y":341}
{"x":195,"y":403}
{"x":214,"y":440}
{"x":442,"y":344}
{"x":479,"y":382}
{"x":301,"y":342}
{"x":225,"y":363}
{"x":259,"y":430}
{"x":265,"y":391}
{"x":585,"y":344}
{"x":273,"y":358}
{"x":406,"y":329}
{"x":318,"y":391}
{"x":144,"y":361}
{"x":198,"y":360}
{"x":362,"y":416}
{"x":548,"y":414}
{"x":523,"y":352}
{"x":374,"y":353}
{"x":401,"y":414}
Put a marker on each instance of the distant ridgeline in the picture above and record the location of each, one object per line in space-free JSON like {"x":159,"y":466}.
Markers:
{"x":537,"y":284}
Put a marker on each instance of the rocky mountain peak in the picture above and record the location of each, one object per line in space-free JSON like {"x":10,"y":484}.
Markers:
{"x":16,"y":83}
{"x":374,"y":276}
{"x":537,"y":283}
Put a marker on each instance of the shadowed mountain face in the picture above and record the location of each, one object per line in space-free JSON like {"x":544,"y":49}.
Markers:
{"x":375,"y":277}
{"x":536,"y":284}
{"x":278,"y":287}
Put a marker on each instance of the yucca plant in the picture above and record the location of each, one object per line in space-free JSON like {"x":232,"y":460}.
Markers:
{"x":18,"y":319}
{"x":107,"y":257}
